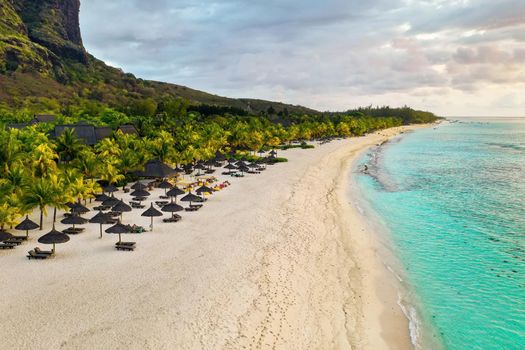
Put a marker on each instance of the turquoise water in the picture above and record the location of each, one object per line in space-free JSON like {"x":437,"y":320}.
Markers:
{"x":453,"y":202}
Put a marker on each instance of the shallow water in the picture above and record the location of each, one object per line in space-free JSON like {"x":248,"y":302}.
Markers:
{"x":453,"y":202}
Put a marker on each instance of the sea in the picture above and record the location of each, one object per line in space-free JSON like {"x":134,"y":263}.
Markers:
{"x":450,"y":200}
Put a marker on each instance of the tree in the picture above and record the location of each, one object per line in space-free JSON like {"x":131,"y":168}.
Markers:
{"x":68,"y":145}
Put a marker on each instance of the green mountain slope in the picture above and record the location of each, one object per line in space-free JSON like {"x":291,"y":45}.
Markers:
{"x":42,"y":58}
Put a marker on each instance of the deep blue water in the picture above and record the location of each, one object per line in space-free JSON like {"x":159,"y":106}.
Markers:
{"x":453,"y":202}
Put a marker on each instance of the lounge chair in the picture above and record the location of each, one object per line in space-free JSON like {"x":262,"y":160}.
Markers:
{"x":198,"y":206}
{"x":21,"y":238}
{"x":126,"y":243}
{"x":123,"y":246}
{"x":70,"y":231}
{"x":192,"y":208}
{"x":33,"y":255}
{"x":7,"y":245}
{"x":173,"y":219}
{"x":46,"y":252}
{"x":14,"y":240}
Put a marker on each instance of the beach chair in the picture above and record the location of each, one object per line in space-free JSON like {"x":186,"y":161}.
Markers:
{"x":127,"y":246}
{"x":46,"y":252}
{"x":7,"y":245}
{"x":34,"y":255}
{"x":14,"y":240}
{"x":173,"y":219}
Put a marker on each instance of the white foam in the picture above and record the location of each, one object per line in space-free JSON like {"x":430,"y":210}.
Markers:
{"x":414,"y":325}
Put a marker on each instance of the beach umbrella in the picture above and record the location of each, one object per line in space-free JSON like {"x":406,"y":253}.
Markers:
{"x":261,"y":152}
{"x":175,"y":191}
{"x":119,"y":229}
{"x":110,"y":188}
{"x":102,"y":219}
{"x":230,"y":166}
{"x":138,"y":186}
{"x":204,"y":189}
{"x":165,"y":185}
{"x":78,"y":208}
{"x":70,"y":205}
{"x":199,"y":166}
{"x":252,"y":165}
{"x":26,"y":225}
{"x":74,"y":220}
{"x":121,"y":207}
{"x":273,"y":153}
{"x":172,"y":208}
{"x":111,"y":201}
{"x":219,"y":157}
{"x":156,"y":168}
{"x":241,"y":163}
{"x":54,"y":237}
{"x":140,"y":193}
{"x":4,"y":236}
{"x":178,"y":169}
{"x":190,"y":197}
{"x":151,"y":212}
{"x":101,"y":197}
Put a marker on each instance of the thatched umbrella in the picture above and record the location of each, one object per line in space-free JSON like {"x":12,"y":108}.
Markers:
{"x":204,"y":189}
{"x":190,"y":197}
{"x":101,"y":197}
{"x":78,"y":208}
{"x":119,"y":229}
{"x":102,"y":219}
{"x":121,"y":207}
{"x":151,"y":212}
{"x":175,"y":191}
{"x":111,"y":201}
{"x":261,"y":152}
{"x":140,"y":193}
{"x":54,"y":237}
{"x":138,"y":186}
{"x":156,"y":168}
{"x":74,"y":220}
{"x":4,"y":236}
{"x":219,"y":157}
{"x":172,"y":208}
{"x":273,"y":153}
{"x":165,"y":185}
{"x":26,"y":225}
{"x":110,"y":188}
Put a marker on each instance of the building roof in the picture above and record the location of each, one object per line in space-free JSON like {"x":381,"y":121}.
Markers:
{"x":84,"y":132}
{"x":17,"y":125}
{"x":103,"y":132}
{"x":43,"y":118}
{"x":128,"y":129}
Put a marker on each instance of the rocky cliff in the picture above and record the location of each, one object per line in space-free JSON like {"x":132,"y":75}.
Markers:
{"x":42,"y":57}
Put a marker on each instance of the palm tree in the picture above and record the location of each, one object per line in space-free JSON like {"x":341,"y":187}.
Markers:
{"x":68,"y":145}
{"x":8,"y":215}
{"x":40,"y":193}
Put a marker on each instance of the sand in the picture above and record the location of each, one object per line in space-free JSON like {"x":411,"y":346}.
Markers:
{"x":280,"y":260}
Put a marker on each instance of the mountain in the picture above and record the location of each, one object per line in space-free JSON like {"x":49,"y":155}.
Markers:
{"x":43,"y":60}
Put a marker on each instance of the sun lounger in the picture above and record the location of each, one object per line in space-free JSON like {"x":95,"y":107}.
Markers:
{"x":21,"y":238}
{"x":139,"y":199}
{"x":38,"y":251}
{"x":102,"y":207}
{"x":192,"y":208}
{"x":33,"y":255}
{"x":164,"y":197}
{"x":126,"y":243}
{"x":198,"y":206}
{"x":138,"y":206}
{"x":7,"y":245}
{"x":14,"y":241}
{"x":174,"y":219}
{"x":70,"y":231}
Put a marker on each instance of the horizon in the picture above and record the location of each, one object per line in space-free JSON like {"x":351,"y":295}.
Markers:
{"x":451,"y":58}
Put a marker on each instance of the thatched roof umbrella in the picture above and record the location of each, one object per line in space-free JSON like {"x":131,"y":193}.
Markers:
{"x":178,"y":169}
{"x":261,"y":152}
{"x":121,"y":207}
{"x":54,"y":237}
{"x":174,"y":192}
{"x":190,"y":197}
{"x":138,"y":186}
{"x":26,"y":225}
{"x":219,"y":157}
{"x":241,"y":163}
{"x":111,"y":201}
{"x":151,"y":212}
{"x":78,"y":208}
{"x":243,"y":169}
{"x":119,"y":229}
{"x":172,"y":208}
{"x":4,"y":236}
{"x":102,"y":219}
{"x":165,"y":185}
{"x":157,"y":169}
{"x":74,"y":220}
{"x":140,"y":193}
{"x":273,"y":153}
{"x":110,"y":188}
{"x":101,"y":197}
{"x":204,"y":189}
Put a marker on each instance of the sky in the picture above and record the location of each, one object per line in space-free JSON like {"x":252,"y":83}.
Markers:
{"x":452,"y":57}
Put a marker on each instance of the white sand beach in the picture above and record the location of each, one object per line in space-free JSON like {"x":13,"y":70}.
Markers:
{"x":279,"y":260}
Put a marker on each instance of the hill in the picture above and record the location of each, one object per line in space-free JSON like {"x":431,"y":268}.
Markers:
{"x":43,"y":63}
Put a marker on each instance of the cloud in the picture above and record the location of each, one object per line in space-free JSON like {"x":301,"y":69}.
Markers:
{"x":307,"y":52}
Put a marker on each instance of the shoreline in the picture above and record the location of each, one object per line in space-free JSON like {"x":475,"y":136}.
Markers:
{"x":277,"y":260}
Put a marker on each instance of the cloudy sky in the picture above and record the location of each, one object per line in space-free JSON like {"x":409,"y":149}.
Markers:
{"x":453,"y":57}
